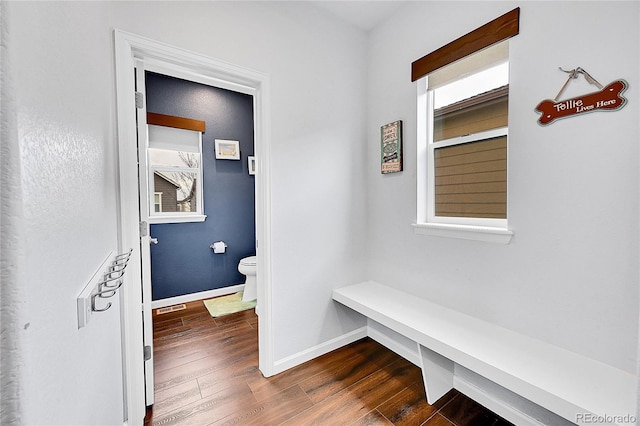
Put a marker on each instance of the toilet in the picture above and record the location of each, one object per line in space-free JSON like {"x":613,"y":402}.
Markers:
{"x":247,"y":266}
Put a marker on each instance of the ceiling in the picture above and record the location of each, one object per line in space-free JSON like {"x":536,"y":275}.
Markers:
{"x":362,"y":14}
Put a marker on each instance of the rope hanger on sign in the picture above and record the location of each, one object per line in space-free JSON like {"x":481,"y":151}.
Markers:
{"x":573,"y":74}
{"x":608,"y":98}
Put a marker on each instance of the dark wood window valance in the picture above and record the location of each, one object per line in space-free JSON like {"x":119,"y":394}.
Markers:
{"x":499,"y":29}
{"x":177,"y":122}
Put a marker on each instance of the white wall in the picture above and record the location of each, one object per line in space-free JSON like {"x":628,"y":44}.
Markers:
{"x":64,"y":81}
{"x":570,"y":274}
{"x":316,"y":67}
{"x":62,"y":76}
{"x":12,"y":257}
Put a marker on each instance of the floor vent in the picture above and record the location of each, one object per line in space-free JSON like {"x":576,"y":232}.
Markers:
{"x":171,"y":309}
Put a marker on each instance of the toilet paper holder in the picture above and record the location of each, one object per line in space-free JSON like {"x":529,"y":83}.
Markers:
{"x":218,"y":247}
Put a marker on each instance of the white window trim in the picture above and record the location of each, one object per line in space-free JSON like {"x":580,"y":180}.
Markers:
{"x":182,"y":217}
{"x":479,"y":229}
{"x":172,"y":218}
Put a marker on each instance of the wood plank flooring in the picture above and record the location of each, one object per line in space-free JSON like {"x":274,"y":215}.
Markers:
{"x":206,"y":373}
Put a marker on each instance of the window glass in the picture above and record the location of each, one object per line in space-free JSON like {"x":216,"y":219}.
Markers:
{"x":467,"y":149}
{"x":472,"y":104}
{"x":175,"y":170}
{"x":165,"y":157}
{"x":471,"y":179}
{"x":462,"y":134}
{"x":157,"y":202}
{"x":182,"y":195}
{"x":472,"y":85}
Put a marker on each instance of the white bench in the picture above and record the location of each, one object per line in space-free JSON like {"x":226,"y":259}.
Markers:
{"x":446,"y":344}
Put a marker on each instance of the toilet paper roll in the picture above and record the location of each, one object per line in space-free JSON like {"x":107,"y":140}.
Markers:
{"x":219,"y":247}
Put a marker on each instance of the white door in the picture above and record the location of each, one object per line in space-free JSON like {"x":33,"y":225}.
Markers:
{"x":145,"y":237}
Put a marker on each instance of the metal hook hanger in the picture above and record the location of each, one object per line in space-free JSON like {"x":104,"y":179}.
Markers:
{"x":93,"y":301}
{"x":104,"y":284}
{"x":109,"y":289}
{"x":573,"y":74}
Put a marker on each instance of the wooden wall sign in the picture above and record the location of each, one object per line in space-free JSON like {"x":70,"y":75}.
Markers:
{"x":391,"y":147}
{"x":609,"y":98}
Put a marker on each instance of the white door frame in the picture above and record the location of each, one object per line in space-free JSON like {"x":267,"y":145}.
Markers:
{"x":195,"y":67}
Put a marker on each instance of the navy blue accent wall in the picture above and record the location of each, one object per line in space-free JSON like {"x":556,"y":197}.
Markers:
{"x":182,"y":262}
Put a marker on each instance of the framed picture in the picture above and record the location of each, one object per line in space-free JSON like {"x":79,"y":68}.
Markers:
{"x":251,"y":160}
{"x":391,"y":147}
{"x":227,"y":150}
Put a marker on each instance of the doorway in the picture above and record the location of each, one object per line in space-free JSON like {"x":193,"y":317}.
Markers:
{"x":180,"y":63}
{"x":190,"y":198}
{"x":195,"y":196}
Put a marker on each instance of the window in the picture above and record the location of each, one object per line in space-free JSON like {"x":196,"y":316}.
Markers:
{"x":175,"y":174}
{"x":157,"y":202}
{"x":463,"y":135}
{"x":467,"y":147}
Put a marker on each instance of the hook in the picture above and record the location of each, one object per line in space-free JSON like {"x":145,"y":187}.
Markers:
{"x":122,"y":258}
{"x":104,"y":288}
{"x":122,"y":255}
{"x":109,"y":289}
{"x":100,"y":294}
{"x":117,"y":268}
{"x":108,"y":277}
{"x":574,"y":74}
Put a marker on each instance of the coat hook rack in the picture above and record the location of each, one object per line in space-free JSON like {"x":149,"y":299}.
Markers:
{"x":103,"y":285}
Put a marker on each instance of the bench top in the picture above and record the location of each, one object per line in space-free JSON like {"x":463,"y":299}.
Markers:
{"x":562,"y":381}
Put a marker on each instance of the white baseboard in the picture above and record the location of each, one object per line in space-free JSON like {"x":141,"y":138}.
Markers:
{"x":510,"y":406}
{"x":321,"y":349}
{"x":161,"y":303}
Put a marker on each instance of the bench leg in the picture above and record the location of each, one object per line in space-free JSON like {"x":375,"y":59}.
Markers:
{"x":437,"y":373}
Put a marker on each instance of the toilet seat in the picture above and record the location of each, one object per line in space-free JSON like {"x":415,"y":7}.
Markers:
{"x":248,"y":261}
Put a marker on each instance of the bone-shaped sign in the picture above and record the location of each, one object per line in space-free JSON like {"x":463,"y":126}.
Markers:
{"x":608,"y":99}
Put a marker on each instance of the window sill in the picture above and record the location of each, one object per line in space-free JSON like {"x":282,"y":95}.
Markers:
{"x":465,"y":232}
{"x":178,"y":219}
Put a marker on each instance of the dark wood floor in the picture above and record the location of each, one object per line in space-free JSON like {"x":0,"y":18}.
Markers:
{"x":206,"y":373}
